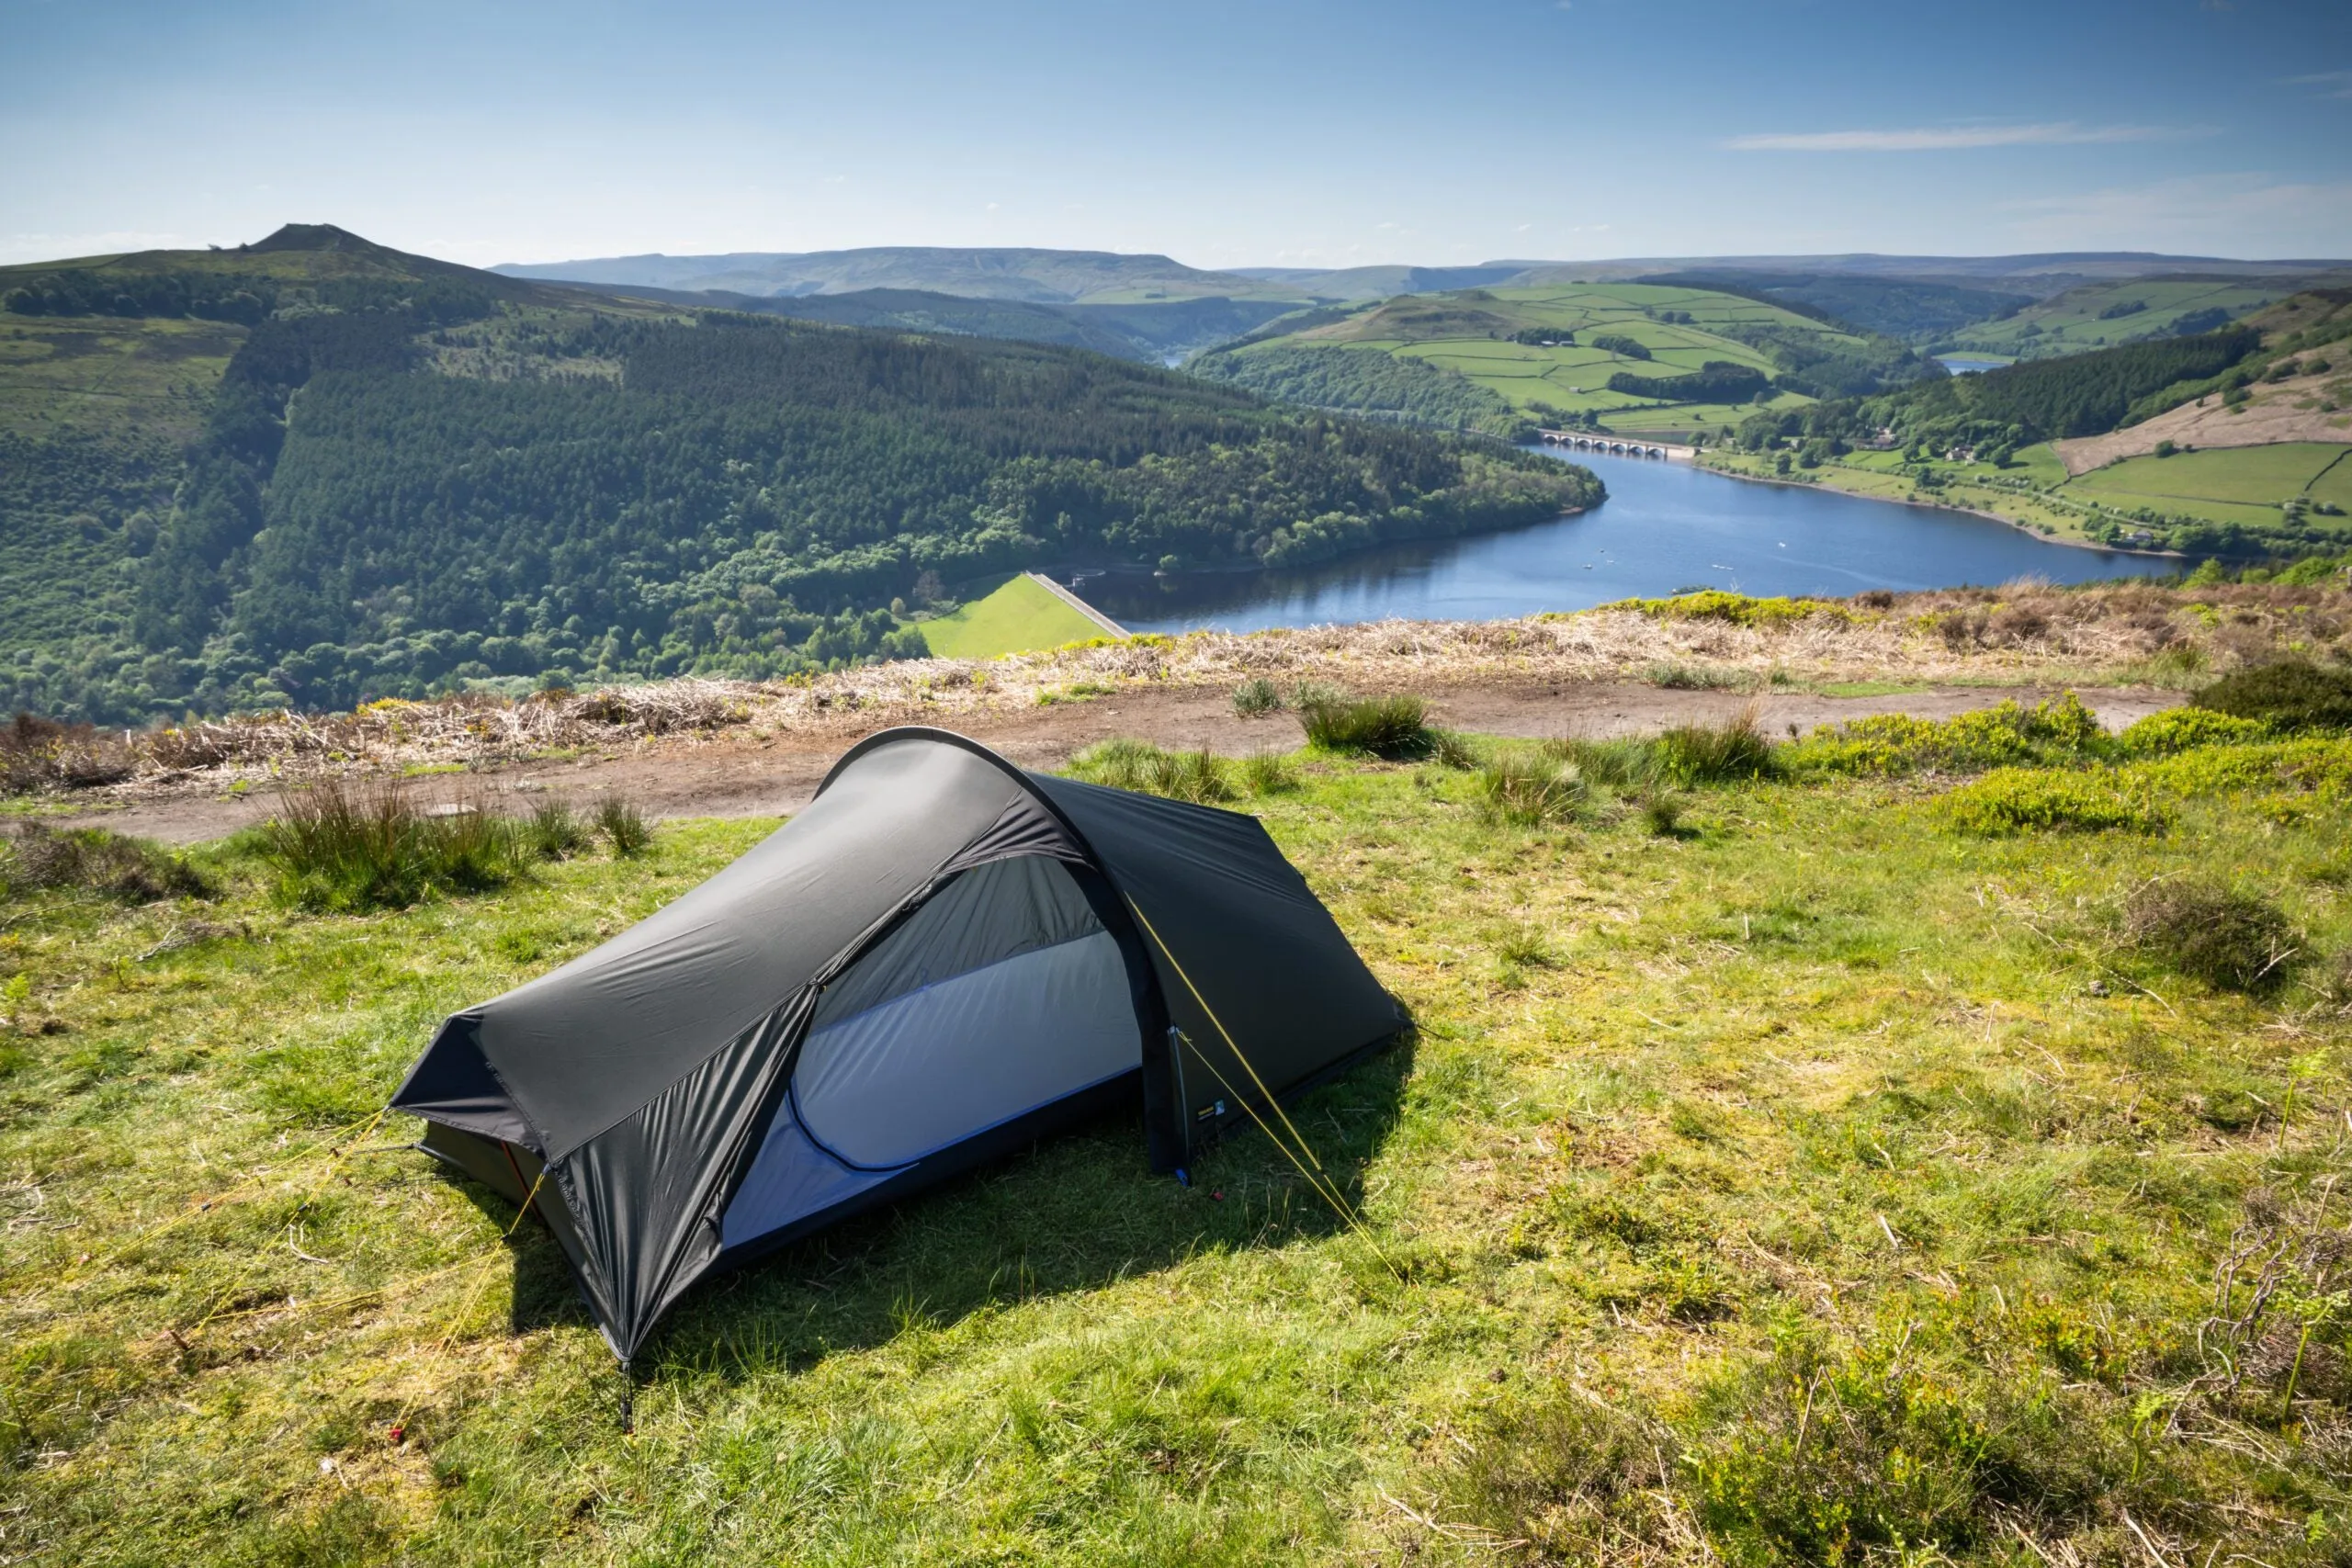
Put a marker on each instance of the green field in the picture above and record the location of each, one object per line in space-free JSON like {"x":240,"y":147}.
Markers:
{"x":1018,"y":616}
{"x":2224,"y":484}
{"x":2073,"y":323}
{"x":1736,"y":1202}
{"x":1465,"y":331}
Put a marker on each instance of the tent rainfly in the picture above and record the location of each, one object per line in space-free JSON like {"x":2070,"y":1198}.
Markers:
{"x":941,"y":958}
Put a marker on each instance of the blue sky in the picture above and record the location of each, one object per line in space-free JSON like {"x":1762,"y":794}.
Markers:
{"x":1222,"y":134}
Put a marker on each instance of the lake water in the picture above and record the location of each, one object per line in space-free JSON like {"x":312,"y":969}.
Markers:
{"x":1962,"y":365}
{"x":1665,"y":526}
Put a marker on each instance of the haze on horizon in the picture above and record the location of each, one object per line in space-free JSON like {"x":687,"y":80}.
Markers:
{"x":1222,"y":135}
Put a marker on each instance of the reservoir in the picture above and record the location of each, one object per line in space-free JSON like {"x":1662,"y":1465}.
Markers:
{"x":1665,"y":526}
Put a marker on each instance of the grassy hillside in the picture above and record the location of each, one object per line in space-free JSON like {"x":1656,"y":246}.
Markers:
{"x":1018,"y":615}
{"x":2250,"y":485}
{"x":2102,"y":315}
{"x":1552,"y":353}
{"x":1733,"y":1202}
{"x":1097,"y":278}
{"x":1893,"y":307}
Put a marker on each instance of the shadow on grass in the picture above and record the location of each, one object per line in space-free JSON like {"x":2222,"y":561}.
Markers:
{"x":1076,"y":1212}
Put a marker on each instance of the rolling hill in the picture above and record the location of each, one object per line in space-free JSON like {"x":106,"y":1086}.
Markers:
{"x":1643,"y":357}
{"x":1154,"y":333}
{"x":2109,"y":314}
{"x":1038,"y":276}
{"x":315,"y":471}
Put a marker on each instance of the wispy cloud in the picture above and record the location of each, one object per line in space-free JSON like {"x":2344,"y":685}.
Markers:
{"x":2332,"y":84}
{"x":1949,"y":137}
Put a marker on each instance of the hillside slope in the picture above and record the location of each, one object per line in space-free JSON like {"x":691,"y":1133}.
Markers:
{"x":1632,"y":356}
{"x":1152,"y":333}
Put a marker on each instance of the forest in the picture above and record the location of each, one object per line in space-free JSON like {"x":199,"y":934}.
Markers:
{"x":1383,"y":386}
{"x":1999,"y":410}
{"x":725,"y":494}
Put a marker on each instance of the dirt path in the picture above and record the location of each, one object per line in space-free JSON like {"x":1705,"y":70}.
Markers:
{"x":742,"y":774}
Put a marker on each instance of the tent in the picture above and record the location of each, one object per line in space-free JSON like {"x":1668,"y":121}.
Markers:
{"x":939,"y":960}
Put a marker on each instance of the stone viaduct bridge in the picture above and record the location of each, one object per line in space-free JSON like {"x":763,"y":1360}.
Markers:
{"x":1618,"y":446}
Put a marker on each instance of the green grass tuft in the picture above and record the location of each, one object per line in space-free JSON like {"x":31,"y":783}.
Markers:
{"x":1255,"y":696}
{"x":1531,"y":787}
{"x":622,"y":825}
{"x":1391,"y":727}
{"x":1200,"y":776}
{"x":1732,"y":751}
{"x":355,"y":847}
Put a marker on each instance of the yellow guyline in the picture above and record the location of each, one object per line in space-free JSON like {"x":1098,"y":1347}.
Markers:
{"x":1316,"y":1179}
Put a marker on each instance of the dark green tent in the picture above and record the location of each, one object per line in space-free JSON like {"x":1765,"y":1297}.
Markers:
{"x":941,"y":958}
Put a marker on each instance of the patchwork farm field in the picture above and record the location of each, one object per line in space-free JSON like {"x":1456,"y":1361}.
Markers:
{"x":1474,"y":333}
{"x":1807,"y":1153}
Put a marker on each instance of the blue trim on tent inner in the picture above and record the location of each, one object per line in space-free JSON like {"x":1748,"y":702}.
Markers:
{"x":792,"y":1097}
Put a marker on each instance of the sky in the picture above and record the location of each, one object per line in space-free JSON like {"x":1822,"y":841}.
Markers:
{"x":1273,"y":133}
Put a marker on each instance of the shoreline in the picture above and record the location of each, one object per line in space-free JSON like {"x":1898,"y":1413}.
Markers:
{"x":2026,"y":529}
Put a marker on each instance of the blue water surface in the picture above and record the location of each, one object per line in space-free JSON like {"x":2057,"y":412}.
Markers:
{"x":1665,"y":526}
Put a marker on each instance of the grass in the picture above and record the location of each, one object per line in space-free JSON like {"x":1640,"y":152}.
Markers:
{"x":1812,"y":1187}
{"x":2073,"y":323}
{"x":2222,"y":484}
{"x":1459,"y":332}
{"x":1020,"y":615}
{"x":1391,"y":727}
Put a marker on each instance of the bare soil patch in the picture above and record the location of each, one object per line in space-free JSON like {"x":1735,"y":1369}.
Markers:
{"x":744,"y":774}
{"x":2269,"y":416}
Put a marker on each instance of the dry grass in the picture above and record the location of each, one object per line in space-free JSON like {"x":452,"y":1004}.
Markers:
{"x":2024,"y":633}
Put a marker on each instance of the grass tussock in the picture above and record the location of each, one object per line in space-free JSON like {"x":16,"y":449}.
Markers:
{"x":1532,"y":788}
{"x":622,"y":825}
{"x":1200,"y":776}
{"x":1677,"y":676}
{"x":1732,"y":751}
{"x":1393,"y":727}
{"x":91,"y":860}
{"x":2230,"y":939}
{"x":1255,"y":696}
{"x":350,"y":849}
